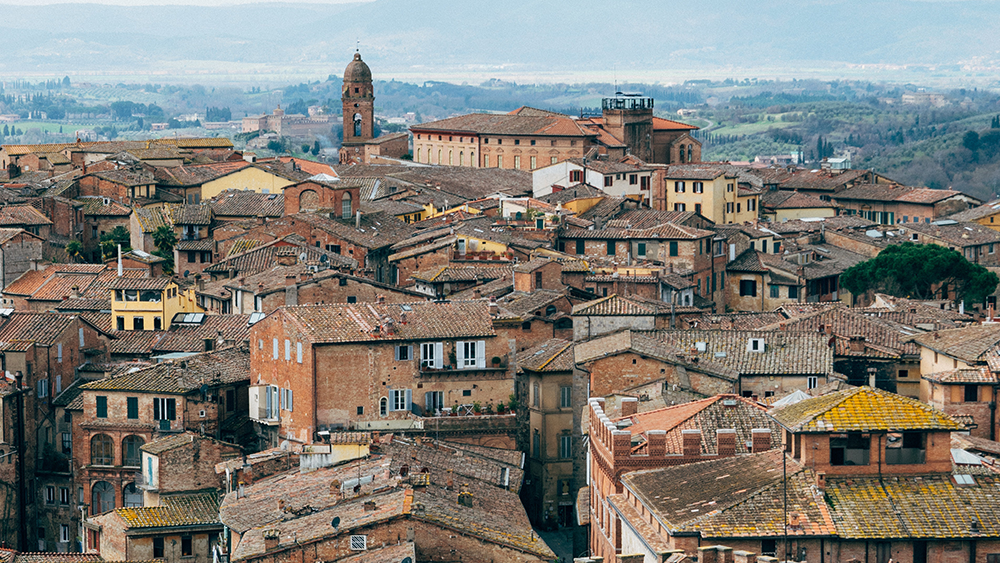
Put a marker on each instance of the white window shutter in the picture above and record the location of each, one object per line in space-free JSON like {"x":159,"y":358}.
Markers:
{"x":82,"y":341}
{"x":409,"y":400}
{"x":438,"y":355}
{"x":481,"y":354}
{"x":428,"y":399}
{"x":290,"y":401}
{"x":275,"y":355}
{"x":460,"y":354}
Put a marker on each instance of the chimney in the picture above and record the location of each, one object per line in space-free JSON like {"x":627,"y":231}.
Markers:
{"x":75,"y":292}
{"x":630,"y":406}
{"x":357,"y":220}
{"x":304,"y":276}
{"x":200,"y":282}
{"x":744,"y":557}
{"x":380,"y":299}
{"x":760,"y":440}
{"x":708,"y":554}
{"x":724,"y":554}
{"x":370,"y":506}
{"x":289,"y":280}
{"x":725,"y":440}
{"x":494,"y":308}
{"x":656,"y":443}
{"x":821,"y":480}
{"x":829,"y":330}
{"x":271,"y":539}
{"x":291,"y":291}
{"x":691,"y":440}
{"x":857,"y":343}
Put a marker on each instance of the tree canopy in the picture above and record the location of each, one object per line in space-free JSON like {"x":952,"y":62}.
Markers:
{"x":920,"y":271}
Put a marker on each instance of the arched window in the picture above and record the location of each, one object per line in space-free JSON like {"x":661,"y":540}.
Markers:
{"x":357,"y":125}
{"x":550,"y":310}
{"x":383,"y":406}
{"x":451,"y":158}
{"x":102,"y":450}
{"x":418,"y":154}
{"x":564,"y":323}
{"x":682,"y":153}
{"x":102,"y":497}
{"x":439,"y":156}
{"x":461,"y":157}
{"x":308,"y":201}
{"x":131,"y":496}
{"x":345,"y":206}
{"x":472,"y":158}
{"x":131,"y":456}
{"x":689,"y":153}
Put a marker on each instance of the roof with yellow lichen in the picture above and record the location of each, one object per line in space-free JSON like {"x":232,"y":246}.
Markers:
{"x":176,"y":510}
{"x":862,"y":409}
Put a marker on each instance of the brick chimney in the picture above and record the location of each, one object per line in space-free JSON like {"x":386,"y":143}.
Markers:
{"x":630,"y":406}
{"x":691,"y":440}
{"x":725,"y":440}
{"x":724,"y":554}
{"x":271,"y":539}
{"x":369,"y":506}
{"x":821,"y":480}
{"x":621,"y":442}
{"x":291,"y":291}
{"x":708,"y":554}
{"x":857,"y":343}
{"x":494,"y":309}
{"x":760,"y":440}
{"x":656,"y":443}
{"x":744,"y":557}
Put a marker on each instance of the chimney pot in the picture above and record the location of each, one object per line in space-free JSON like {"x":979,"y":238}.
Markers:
{"x":760,"y":440}
{"x":691,"y":440}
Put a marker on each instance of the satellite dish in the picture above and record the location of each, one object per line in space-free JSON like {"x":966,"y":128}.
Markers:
{"x":303,"y":256}
{"x":284,"y":446}
{"x":336,"y":522}
{"x":407,"y":560}
{"x":324,"y":258}
{"x":186,"y":273}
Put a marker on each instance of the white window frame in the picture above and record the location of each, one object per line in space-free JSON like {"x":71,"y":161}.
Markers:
{"x":477,"y":349}
{"x":812,"y":382}
{"x":271,"y":405}
{"x":298,"y":352}
{"x":565,"y":396}
{"x":59,"y":352}
{"x":58,"y":384}
{"x":400,"y":400}
{"x":63,"y":533}
{"x":409,"y":353}
{"x":274,"y":356}
{"x":432,"y":355}
{"x":288,"y":350}
{"x":286,"y":400}
{"x":359,"y":542}
{"x":43,"y":388}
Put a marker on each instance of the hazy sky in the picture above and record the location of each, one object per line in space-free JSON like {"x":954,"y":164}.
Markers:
{"x":172,"y":2}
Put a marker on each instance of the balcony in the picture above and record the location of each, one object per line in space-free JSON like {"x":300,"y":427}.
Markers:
{"x":499,"y":372}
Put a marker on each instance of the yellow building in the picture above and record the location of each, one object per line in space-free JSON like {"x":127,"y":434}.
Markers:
{"x":149,"y":303}
{"x":712,"y":191}
{"x":205,"y":181}
{"x":783,"y":205}
{"x":987,"y":215}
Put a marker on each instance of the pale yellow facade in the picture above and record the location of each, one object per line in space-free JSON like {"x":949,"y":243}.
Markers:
{"x":249,"y":178}
{"x":935,"y":362}
{"x":152,"y":309}
{"x":473,"y":244}
{"x":717,"y":200}
{"x":804,"y":213}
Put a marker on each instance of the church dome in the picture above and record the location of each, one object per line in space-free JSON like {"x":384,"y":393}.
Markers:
{"x":357,"y":70}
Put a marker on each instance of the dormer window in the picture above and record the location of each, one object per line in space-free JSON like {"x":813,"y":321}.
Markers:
{"x":755,"y":345}
{"x":849,"y":449}
{"x":905,"y":448}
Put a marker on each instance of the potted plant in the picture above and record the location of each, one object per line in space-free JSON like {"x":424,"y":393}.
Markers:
{"x":476,"y":407}
{"x":512,"y":403}
{"x":501,"y":407}
{"x":489,"y":408}
{"x":454,"y":411}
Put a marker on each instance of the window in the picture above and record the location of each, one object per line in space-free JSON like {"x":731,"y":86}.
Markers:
{"x":399,"y":399}
{"x":288,"y":350}
{"x":383,"y":406}
{"x":138,"y":323}
{"x":553,"y":160}
{"x":359,"y":543}
{"x":611,"y":248}
{"x":298,"y":352}
{"x":641,"y":250}
{"x":633,"y":179}
{"x":698,"y":187}
{"x":565,"y":396}
{"x":729,"y":207}
{"x":157,"y":548}
{"x":352,"y":299}
{"x":404,"y":353}
{"x":43,"y":388}
{"x":67,"y":442}
{"x":768,"y":547}
{"x":673,"y":248}
{"x":64,"y":533}
{"x":812,"y":382}
{"x":971,"y":393}
{"x":903,"y":374}
{"x":608,"y":181}
{"x":345,"y":206}
{"x":120,"y":323}
{"x":580,"y":247}
{"x":486,"y":161}
{"x":534,"y":160}
{"x":536,"y":395}
{"x":851,"y":449}
{"x":550,"y":310}
{"x":102,"y":406}
{"x":102,"y":450}
{"x":697,"y":208}
{"x":777,"y":247}
{"x":729,"y":187}
{"x":680,"y":207}
{"x":433,"y":402}
{"x":131,"y":455}
{"x":679,"y":187}
{"x":536,"y":444}
{"x":186,"y":547}
{"x":64,"y":495}
{"x":131,"y":496}
{"x":499,"y":161}
{"x":274,"y":354}
{"x":132,"y":407}
{"x":431,"y":355}
{"x":50,"y":495}
{"x":230,"y":400}
{"x":748,"y":288}
{"x":517,"y":162}
{"x":158,"y":323}
{"x":164,"y":409}
{"x":738,"y":207}
{"x":565,"y":446}
{"x":793,"y":292}
{"x":471,"y":354}
{"x":775,"y":292}
{"x":576,"y":176}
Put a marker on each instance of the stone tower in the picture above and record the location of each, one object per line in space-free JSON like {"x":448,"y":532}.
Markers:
{"x":630,"y":118}
{"x":358,"y":97}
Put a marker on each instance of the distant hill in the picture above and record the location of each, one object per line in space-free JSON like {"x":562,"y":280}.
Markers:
{"x":524,"y":35}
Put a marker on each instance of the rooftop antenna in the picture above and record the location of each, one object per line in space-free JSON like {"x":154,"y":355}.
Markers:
{"x":357,"y":48}
{"x":616,"y":77}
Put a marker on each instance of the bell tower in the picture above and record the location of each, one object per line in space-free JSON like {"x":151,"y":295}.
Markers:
{"x":358,"y":97}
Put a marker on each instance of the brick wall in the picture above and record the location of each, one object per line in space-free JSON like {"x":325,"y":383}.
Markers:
{"x":192,"y":467}
{"x":616,"y":373}
{"x":424,"y":262}
{"x":322,"y":289}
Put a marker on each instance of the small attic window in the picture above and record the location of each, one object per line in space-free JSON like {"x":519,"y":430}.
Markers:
{"x":755,"y":345}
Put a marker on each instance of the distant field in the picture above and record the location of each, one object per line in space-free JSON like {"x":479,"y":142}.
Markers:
{"x":751,"y":128}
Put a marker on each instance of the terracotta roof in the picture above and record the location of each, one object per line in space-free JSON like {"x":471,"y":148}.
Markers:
{"x":486,"y":272}
{"x":184,"y":338}
{"x":784,"y":199}
{"x":894,"y":192}
{"x":975,"y":213}
{"x":862,"y":409}
{"x":329,"y":324}
{"x":880,"y":337}
{"x":259,"y":258}
{"x":22,"y":328}
{"x":735,"y":321}
{"x":496,"y":288}
{"x":784,"y":353}
{"x":663,"y":231}
{"x":647,"y":218}
{"x":151,"y":218}
{"x":174,"y":510}
{"x":196,"y":175}
{"x":96,"y":206}
{"x":971,"y":344}
{"x":134,"y":342}
{"x":616,"y":305}
{"x":125,"y":177}
{"x":60,"y":286}
{"x":506,"y":124}
{"x":970,"y":375}
{"x":245,"y":203}
{"x":646,"y":344}
{"x":819,"y":179}
{"x":553,"y":355}
{"x":960,"y":234}
{"x":526,"y":305}
{"x":191,"y":214}
{"x":155,"y":284}
{"x":212,"y":368}
{"x":660,"y":124}
{"x":707,"y":415}
{"x":21,"y":215}
{"x":793,"y":226}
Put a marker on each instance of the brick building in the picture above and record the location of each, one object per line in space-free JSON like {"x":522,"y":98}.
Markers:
{"x":716,"y":428}
{"x":20,"y":251}
{"x":890,"y":204}
{"x":114,"y":417}
{"x":373,"y":366}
